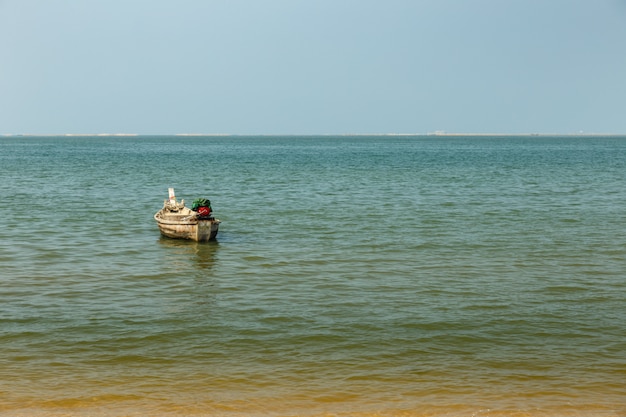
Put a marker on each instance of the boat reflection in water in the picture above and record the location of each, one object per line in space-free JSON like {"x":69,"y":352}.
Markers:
{"x":188,"y":254}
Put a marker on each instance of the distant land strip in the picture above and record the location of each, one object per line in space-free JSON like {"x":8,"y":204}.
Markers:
{"x":438,"y":133}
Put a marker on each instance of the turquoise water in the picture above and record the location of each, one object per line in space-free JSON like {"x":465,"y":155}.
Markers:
{"x":352,"y":276}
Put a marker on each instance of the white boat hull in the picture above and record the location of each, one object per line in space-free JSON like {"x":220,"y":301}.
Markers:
{"x":200,"y":230}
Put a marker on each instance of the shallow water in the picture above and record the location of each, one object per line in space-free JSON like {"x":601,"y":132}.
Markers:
{"x":356,"y":276}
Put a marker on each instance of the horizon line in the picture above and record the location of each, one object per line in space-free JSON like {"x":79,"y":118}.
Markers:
{"x":436,"y":133}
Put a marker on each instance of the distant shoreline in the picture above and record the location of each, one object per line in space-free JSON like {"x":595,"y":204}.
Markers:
{"x":430,"y":134}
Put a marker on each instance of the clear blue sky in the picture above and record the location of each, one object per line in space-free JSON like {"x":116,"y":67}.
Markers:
{"x":312,"y":66}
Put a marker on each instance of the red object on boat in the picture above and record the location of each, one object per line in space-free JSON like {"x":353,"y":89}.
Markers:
{"x":204,"y":211}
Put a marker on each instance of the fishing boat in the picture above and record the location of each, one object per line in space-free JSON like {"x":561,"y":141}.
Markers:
{"x":179,"y":222}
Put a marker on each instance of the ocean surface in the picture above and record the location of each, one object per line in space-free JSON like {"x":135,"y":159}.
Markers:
{"x":402,"y":276}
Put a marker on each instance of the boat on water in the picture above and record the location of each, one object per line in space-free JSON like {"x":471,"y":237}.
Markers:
{"x":179,"y":222}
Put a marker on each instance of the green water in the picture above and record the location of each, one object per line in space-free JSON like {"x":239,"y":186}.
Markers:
{"x":352,"y":276}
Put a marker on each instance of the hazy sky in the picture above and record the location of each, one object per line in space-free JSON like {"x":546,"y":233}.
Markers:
{"x":312,"y":67}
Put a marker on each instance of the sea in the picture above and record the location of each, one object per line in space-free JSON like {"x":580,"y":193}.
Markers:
{"x":352,"y":276}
